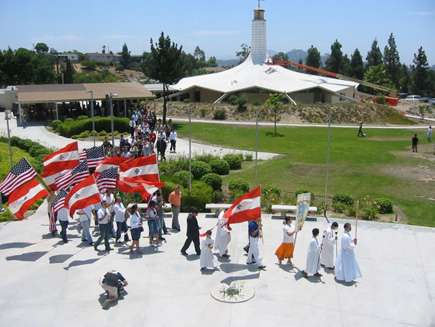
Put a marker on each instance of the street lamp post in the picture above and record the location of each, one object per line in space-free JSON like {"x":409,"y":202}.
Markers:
{"x":7,"y":118}
{"x":256,"y":146}
{"x":92,"y":112}
{"x":111,"y":96}
{"x":327,"y":163}
{"x":190,"y":149}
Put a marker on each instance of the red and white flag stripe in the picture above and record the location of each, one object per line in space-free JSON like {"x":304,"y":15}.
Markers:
{"x":145,"y":188}
{"x":109,"y":163}
{"x":144,"y":168}
{"x":60,"y":162}
{"x":245,"y":208}
{"x":24,"y":197}
{"x":82,"y":195}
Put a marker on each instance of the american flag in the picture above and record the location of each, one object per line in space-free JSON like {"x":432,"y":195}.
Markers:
{"x":94,"y":156}
{"x":21,"y":173}
{"x":83,"y":156}
{"x":71,"y":178}
{"x":107,"y":179}
{"x":57,"y":204}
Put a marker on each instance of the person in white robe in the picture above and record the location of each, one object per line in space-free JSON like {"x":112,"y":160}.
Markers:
{"x":223,"y":237}
{"x":346,"y":266}
{"x":207,"y":259}
{"x":327,"y":257}
{"x":313,"y":257}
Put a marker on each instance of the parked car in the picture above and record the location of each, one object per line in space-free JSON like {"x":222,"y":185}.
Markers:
{"x":431,"y":101}
{"x":424,"y":99}
{"x":413,"y":98}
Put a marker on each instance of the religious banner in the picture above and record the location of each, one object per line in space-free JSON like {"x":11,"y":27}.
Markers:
{"x":303,"y":204}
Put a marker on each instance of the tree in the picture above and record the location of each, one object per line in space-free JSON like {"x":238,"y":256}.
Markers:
{"x":313,"y":59}
{"x":374,"y":56}
{"x":199,"y":54}
{"x":23,"y":66}
{"x":392,"y":60}
{"x":166,"y":65}
{"x":356,"y":65}
{"x":41,"y":48}
{"x":125,"y":57}
{"x":404,"y":79}
{"x":243,"y":53}
{"x":104,"y":49}
{"x":44,"y":69}
{"x":335,"y":61}
{"x":420,"y":73}
{"x":280,"y":56}
{"x":212,"y":62}
{"x":68,"y":72}
{"x":378,"y":75}
{"x":275,"y":102}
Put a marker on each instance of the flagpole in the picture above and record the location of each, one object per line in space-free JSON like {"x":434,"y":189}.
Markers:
{"x":356,"y":219}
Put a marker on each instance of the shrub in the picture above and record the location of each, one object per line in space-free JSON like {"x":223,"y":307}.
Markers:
{"x":383,"y":206}
{"x":38,"y":150}
{"x":201,"y":195}
{"x":93,"y":133}
{"x":212,"y":179}
{"x":369,"y":213}
{"x":341,"y":197}
{"x":102,"y":133}
{"x":200,"y":168}
{"x":75,"y":137}
{"x":76,"y":127}
{"x":82,"y":117}
{"x":68,"y":120}
{"x":304,"y":190}
{"x":6,"y":215}
{"x":241,"y":104}
{"x":238,"y":187}
{"x":36,"y":205}
{"x":181,"y":177}
{"x":234,"y":160}
{"x":339,"y":206}
{"x":351,"y":211}
{"x":84,"y":134}
{"x":270,"y":194}
{"x":55,"y":123}
{"x":218,"y":196}
{"x":203,"y":112}
{"x":248,"y":156}
{"x":206,"y":158}
{"x":172,"y":166}
{"x":380,"y":99}
{"x":219,"y":114}
{"x":233,"y":99}
{"x":220,"y":167}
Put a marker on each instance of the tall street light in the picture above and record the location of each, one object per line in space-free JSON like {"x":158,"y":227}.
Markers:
{"x":92,"y":112}
{"x":327,"y":163}
{"x":8,"y":116}
{"x":111,"y":96}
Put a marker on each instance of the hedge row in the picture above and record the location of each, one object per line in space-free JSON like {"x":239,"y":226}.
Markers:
{"x":70,"y":127}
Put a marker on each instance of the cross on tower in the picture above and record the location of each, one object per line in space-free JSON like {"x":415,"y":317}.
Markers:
{"x":259,"y":3}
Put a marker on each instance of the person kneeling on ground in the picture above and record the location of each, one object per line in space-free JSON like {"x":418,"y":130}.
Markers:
{"x":113,"y":283}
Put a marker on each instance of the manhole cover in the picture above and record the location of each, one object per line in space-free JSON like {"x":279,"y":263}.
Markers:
{"x":233,"y":293}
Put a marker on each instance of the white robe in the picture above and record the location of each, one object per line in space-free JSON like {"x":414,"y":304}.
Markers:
{"x":207,"y":258}
{"x":313,"y":257}
{"x":346,"y":266}
{"x":327,"y":257}
{"x":223,"y":236}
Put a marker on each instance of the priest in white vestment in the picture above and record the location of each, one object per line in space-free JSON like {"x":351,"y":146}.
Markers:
{"x":207,"y":259}
{"x":223,"y":237}
{"x":346,"y":266}
{"x":313,"y":257}
{"x":327,"y":257}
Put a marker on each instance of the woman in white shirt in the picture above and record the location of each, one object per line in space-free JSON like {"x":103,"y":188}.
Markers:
{"x":136,"y":228}
{"x":152,"y":218}
{"x":285,"y":250}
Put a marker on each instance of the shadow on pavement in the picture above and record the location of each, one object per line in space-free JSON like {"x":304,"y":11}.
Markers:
{"x":347,"y":284}
{"x":231,"y":279}
{"x":76,"y":263}
{"x":29,"y":256}
{"x":60,"y":258}
{"x":15,"y":245}
{"x":232,"y":267}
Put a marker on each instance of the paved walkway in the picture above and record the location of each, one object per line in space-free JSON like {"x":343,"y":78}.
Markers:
{"x":49,"y":284}
{"x":40,"y":134}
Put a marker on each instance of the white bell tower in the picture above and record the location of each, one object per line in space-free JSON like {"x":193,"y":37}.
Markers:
{"x":258,"y":37}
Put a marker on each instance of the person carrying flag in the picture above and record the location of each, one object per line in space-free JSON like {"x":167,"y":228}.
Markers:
{"x":255,"y":228}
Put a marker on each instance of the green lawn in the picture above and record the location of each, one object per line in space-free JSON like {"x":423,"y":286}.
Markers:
{"x":369,"y":166}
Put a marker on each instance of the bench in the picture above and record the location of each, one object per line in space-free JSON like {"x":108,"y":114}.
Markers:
{"x":144,"y":206}
{"x":285,"y":208}
{"x":217,"y":207}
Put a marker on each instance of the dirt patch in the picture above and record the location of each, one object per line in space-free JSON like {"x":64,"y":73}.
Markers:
{"x":387,"y":139}
{"x":417,"y":173}
{"x":397,"y":217}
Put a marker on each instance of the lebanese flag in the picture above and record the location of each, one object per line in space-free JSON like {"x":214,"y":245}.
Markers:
{"x":146,"y":188}
{"x":143,"y":168}
{"x":59,"y":163}
{"x":245,"y":208}
{"x":82,"y":195}
{"x":24,"y":197}
{"x":108,"y":163}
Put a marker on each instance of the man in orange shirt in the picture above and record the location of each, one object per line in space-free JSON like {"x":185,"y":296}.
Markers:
{"x":175,"y":201}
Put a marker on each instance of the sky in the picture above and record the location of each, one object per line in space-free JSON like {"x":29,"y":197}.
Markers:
{"x":219,"y":27}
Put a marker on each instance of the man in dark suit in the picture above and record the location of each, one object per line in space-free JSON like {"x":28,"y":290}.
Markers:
{"x":192,"y":233}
